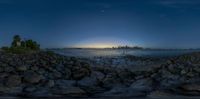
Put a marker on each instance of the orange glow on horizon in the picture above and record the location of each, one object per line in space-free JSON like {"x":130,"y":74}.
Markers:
{"x":96,"y":46}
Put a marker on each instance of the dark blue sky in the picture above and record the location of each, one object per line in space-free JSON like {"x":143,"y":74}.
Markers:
{"x":90,"y":23}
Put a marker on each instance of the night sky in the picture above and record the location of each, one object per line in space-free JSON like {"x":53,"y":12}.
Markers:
{"x":102,"y":23}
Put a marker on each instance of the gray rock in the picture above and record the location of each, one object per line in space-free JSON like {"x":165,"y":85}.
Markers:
{"x":32,"y":77}
{"x":122,"y":91}
{"x":69,"y":91}
{"x":11,"y":90}
{"x":79,"y":73}
{"x":88,"y":81}
{"x":65,"y":83}
{"x":40,"y":92}
{"x":9,"y":69}
{"x":67,"y":73}
{"x":29,"y":89}
{"x":144,"y":85}
{"x":57,"y":74}
{"x":98,"y":75}
{"x":191,"y":87}
{"x":160,"y":95}
{"x":13,"y":81}
{"x":50,"y":83}
{"x":41,"y":71}
{"x":34,"y":68}
{"x":21,"y":68}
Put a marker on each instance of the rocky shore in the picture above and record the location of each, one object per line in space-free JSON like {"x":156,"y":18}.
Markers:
{"x":46,"y":74}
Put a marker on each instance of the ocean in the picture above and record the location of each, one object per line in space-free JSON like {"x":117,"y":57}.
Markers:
{"x":120,"y":52}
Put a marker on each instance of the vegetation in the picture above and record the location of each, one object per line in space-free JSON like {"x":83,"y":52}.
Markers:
{"x":20,"y":46}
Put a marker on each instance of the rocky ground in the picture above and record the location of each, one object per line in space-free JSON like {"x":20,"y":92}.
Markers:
{"x":45,"y":74}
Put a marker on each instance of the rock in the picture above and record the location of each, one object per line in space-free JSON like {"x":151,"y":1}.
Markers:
{"x":69,"y":91}
{"x":9,"y":69}
{"x":1,"y":69}
{"x":110,"y":81}
{"x":64,"y":83}
{"x":40,"y":92}
{"x":21,"y":68}
{"x":29,"y":89}
{"x":145,"y":85}
{"x":67,"y":73}
{"x":11,"y":90}
{"x":122,"y":91}
{"x":13,"y":81}
{"x":34,"y":68}
{"x":41,"y":71}
{"x":183,"y":72}
{"x":160,"y":95}
{"x":88,"y":81}
{"x":80,"y":73}
{"x":32,"y":77}
{"x":99,"y":76}
{"x":50,"y":83}
{"x":190,"y":74}
{"x":57,"y":74}
{"x":191,"y":87}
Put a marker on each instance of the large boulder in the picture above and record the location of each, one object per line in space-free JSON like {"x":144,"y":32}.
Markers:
{"x":145,"y":85}
{"x":32,"y":77}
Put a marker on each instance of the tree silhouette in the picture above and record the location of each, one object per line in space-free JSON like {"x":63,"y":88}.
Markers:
{"x":16,"y":41}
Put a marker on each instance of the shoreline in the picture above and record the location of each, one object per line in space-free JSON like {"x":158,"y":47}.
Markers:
{"x":44,"y":74}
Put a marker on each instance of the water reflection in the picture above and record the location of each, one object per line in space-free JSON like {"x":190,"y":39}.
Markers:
{"x":121,"y":52}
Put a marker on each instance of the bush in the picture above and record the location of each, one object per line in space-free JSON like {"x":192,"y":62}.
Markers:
{"x":5,"y":48}
{"x":18,"y":50}
{"x":32,"y":45}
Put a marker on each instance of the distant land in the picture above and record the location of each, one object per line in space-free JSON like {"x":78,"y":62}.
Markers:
{"x":129,"y":47}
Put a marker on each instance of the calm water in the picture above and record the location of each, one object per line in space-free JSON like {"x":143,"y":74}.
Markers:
{"x":120,"y":52}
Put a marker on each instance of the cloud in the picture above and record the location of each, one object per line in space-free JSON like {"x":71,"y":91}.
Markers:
{"x":178,"y":3}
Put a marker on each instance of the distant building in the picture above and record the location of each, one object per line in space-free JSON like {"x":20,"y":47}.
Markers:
{"x":18,"y":43}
